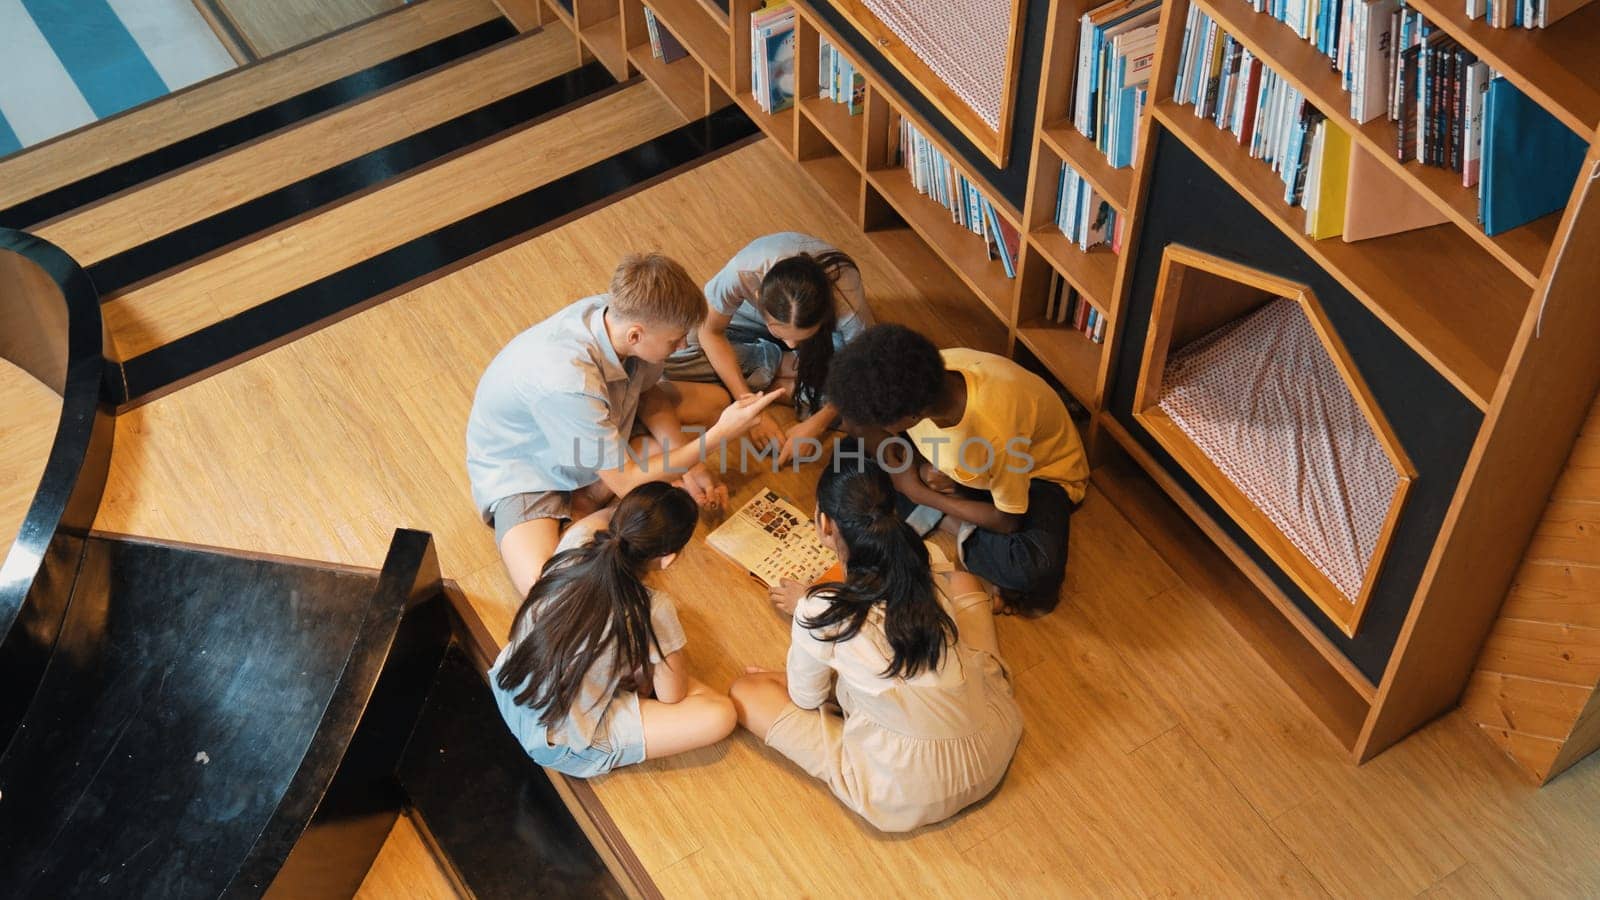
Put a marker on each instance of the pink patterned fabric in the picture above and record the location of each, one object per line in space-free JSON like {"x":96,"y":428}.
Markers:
{"x":1265,"y":403}
{"x":963,"y":41}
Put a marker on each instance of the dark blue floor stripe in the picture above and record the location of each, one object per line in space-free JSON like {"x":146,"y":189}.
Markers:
{"x":249,"y":127}
{"x":294,"y":313}
{"x":194,"y":241}
{"x":100,"y":55}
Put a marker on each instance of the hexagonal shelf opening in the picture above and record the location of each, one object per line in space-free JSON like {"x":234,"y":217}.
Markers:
{"x":1245,"y":384}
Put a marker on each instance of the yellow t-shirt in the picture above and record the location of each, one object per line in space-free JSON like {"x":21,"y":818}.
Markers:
{"x":1014,"y":429}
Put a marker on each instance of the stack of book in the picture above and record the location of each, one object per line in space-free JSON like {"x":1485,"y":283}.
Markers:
{"x":1116,"y":56}
{"x":838,"y":80}
{"x":772,"y":57}
{"x":1228,"y":85}
{"x":663,"y":45}
{"x":1085,"y":217}
{"x":1522,"y":13}
{"x":1065,"y":306}
{"x":934,"y":176}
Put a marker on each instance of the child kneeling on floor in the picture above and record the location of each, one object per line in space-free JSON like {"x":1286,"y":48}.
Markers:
{"x":926,"y":723}
{"x":593,"y":641}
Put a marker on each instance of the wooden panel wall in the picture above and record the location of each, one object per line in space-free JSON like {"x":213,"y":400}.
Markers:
{"x":1535,"y":690}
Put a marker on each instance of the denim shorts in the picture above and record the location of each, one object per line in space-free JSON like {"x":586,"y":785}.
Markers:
{"x":618,"y":741}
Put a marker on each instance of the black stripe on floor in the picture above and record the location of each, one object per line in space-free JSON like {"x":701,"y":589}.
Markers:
{"x":249,"y":127}
{"x":261,"y":327}
{"x":209,"y":235}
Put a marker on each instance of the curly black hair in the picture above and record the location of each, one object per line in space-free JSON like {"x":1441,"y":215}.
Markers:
{"x":886,"y":374}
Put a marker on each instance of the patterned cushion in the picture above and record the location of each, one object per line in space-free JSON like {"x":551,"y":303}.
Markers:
{"x":963,"y":41}
{"x":1265,"y":403}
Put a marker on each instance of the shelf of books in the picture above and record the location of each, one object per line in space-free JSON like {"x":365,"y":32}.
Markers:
{"x":764,"y":49}
{"x":1557,"y":66}
{"x":1401,"y":277}
{"x":836,"y":107}
{"x":657,"y":54}
{"x":1382,"y":129}
{"x":702,"y":33}
{"x":1060,"y":327}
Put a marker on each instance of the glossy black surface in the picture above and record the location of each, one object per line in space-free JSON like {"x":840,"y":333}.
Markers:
{"x":416,"y":261}
{"x":60,"y":340}
{"x":365,"y":172}
{"x":249,"y":127}
{"x":359,"y":740}
{"x":194,"y":715}
{"x":1190,"y":204}
{"x":490,"y":809}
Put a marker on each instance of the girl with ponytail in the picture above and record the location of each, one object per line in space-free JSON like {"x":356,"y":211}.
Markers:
{"x":778,"y":311}
{"x":925,"y":723}
{"x":592,"y":643}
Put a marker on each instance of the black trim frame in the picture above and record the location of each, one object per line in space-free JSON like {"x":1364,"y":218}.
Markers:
{"x":36,"y":577}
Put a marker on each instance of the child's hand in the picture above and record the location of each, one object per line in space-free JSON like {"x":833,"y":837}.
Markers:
{"x":935,"y":479}
{"x":765,"y":433}
{"x":707,"y":491}
{"x":742,"y":414}
{"x":786,"y":596}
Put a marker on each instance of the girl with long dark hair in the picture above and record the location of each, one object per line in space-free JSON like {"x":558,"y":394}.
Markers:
{"x":778,"y":311}
{"x":926,"y":723}
{"x":592,"y":637}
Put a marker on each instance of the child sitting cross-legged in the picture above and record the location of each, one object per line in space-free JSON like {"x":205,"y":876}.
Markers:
{"x":593,"y":642}
{"x":925,"y":724}
{"x":974,"y":438}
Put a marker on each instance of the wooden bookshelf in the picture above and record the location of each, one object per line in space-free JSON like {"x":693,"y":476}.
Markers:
{"x":1557,"y":67}
{"x":604,"y":40}
{"x":682,"y":82}
{"x":1069,"y":355}
{"x":1401,"y":277}
{"x":1522,"y":250}
{"x":1079,"y":152}
{"x":702,"y":33}
{"x":1093,"y":273}
{"x":962,"y":250}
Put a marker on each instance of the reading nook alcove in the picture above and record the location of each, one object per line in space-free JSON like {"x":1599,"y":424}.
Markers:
{"x":1247,"y":386}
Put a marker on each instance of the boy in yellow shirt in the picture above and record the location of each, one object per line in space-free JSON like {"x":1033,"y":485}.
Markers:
{"x":978,"y":438}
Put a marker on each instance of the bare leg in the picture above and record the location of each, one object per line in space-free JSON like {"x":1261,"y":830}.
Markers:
{"x":526,"y":548}
{"x":702,"y":718}
{"x":759,"y":698}
{"x":695,"y":402}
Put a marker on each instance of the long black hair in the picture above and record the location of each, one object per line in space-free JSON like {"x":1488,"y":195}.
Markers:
{"x":799,"y":291}
{"x":592,"y":598}
{"x":887,"y":565}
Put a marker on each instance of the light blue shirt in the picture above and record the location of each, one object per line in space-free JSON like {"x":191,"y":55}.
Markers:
{"x":554,"y":407}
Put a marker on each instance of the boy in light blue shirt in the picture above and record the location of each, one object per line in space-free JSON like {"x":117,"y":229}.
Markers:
{"x":546,"y":435}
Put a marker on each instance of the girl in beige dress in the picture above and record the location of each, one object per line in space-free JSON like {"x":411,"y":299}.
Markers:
{"x":925,"y":722}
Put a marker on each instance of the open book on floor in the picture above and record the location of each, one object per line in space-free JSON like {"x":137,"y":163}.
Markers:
{"x":773,"y":540}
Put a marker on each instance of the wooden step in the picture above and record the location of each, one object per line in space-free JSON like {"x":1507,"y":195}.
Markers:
{"x":238,"y":280}
{"x":161,"y":207}
{"x":158,"y":125}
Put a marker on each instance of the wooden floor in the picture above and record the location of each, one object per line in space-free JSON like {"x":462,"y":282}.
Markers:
{"x":26,"y":433}
{"x":1161,"y":756}
{"x":271,"y":26}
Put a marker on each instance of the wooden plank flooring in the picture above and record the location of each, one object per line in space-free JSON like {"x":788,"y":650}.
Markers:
{"x":166,"y":205}
{"x":406,"y":868}
{"x":153,"y":126}
{"x":1161,"y":755}
{"x":271,"y":26}
{"x":31,"y":413}
{"x":334,"y":239}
